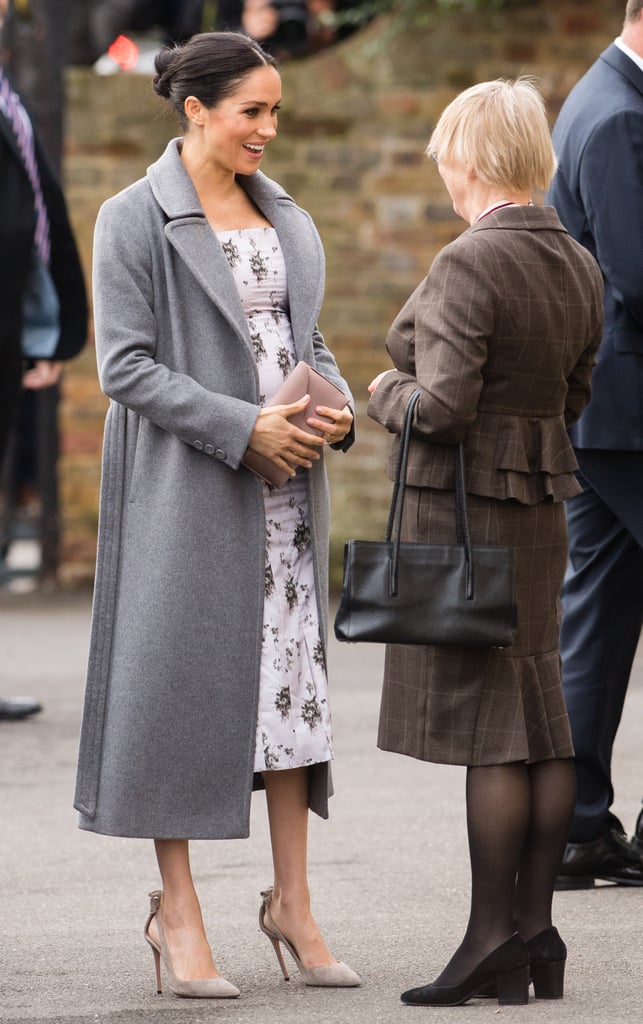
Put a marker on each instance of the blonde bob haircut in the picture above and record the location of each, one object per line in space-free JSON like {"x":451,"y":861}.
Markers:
{"x":499,"y":130}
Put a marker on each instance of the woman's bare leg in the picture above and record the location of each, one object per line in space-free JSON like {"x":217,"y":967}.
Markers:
{"x":181,"y":913}
{"x":287,"y":798}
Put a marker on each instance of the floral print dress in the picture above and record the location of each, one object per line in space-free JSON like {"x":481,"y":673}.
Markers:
{"x":293,"y":726}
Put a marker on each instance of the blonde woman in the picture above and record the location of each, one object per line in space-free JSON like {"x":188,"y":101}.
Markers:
{"x":500,"y":337}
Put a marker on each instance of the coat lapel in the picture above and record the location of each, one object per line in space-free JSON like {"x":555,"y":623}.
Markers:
{"x":189,"y":233}
{"x":197,"y":245}
{"x":303,"y":255}
{"x":623,"y":64}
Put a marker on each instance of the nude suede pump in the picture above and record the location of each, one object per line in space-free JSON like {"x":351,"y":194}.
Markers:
{"x":337,"y":975}
{"x":199,"y":988}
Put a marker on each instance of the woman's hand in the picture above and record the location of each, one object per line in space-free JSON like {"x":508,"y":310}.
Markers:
{"x":342,"y":421}
{"x":377,"y":380}
{"x":281,"y":441}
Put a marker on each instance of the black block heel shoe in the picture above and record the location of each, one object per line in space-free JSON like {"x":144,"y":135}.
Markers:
{"x":548,"y":954}
{"x":506,"y":967}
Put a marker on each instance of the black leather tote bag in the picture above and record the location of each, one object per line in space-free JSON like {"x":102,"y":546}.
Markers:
{"x":411,"y":593}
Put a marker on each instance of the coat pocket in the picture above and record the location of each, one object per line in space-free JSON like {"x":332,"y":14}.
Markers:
{"x":136,"y":460}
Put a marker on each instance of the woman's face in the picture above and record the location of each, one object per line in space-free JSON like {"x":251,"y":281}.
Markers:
{"x":236,"y":131}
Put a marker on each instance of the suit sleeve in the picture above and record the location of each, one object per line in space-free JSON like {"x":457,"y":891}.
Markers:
{"x":444,"y":326}
{"x":65,"y":265}
{"x":126,"y":341}
{"x":611,"y":179}
{"x":579,"y":382}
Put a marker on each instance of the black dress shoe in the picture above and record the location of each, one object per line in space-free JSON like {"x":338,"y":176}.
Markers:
{"x":637,"y":838}
{"x":18,"y":707}
{"x":547,"y":957}
{"x":611,"y":858}
{"x":506,"y":967}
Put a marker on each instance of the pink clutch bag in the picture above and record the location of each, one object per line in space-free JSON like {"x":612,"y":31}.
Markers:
{"x":302,"y":381}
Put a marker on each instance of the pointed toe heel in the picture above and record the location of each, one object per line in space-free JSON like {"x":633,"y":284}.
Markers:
{"x":337,"y":975}
{"x":199,"y":988}
{"x":503,"y":973}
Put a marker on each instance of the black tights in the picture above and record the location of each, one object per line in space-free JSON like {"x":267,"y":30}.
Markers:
{"x":517,"y":821}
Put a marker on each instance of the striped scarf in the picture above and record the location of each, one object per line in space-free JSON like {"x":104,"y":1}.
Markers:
{"x":18,"y":118}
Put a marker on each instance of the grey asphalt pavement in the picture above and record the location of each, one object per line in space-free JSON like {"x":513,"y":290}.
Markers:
{"x":389,"y":871}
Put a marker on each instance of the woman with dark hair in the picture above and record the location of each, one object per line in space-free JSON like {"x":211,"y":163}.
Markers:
{"x":207,"y":673}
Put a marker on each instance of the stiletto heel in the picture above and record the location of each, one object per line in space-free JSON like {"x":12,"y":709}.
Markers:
{"x":199,"y":988}
{"x":157,"y":964}
{"x":275,"y":943}
{"x":513,"y":988}
{"x":155,"y":902}
{"x":280,"y":957}
{"x":337,"y":975}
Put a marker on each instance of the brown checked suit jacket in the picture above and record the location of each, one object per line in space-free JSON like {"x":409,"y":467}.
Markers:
{"x":501,"y":337}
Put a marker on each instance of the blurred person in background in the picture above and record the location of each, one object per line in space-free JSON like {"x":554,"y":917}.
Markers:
{"x":97,"y":23}
{"x":598,"y":193}
{"x":287,"y":28}
{"x":43,"y":304}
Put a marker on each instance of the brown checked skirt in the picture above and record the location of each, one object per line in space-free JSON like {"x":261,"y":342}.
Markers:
{"x":457,"y":705}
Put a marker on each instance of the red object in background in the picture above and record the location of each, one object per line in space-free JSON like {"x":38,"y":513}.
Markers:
{"x":125,"y":52}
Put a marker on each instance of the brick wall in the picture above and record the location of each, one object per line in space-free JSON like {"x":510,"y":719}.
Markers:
{"x":353,"y":128}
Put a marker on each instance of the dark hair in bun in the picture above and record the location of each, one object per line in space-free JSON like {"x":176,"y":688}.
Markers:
{"x":208,"y":66}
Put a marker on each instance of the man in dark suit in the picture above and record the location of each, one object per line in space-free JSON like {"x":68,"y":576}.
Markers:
{"x":34,"y":230}
{"x":598,"y":192}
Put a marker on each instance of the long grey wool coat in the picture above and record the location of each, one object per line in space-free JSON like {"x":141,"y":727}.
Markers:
{"x":168,"y":733}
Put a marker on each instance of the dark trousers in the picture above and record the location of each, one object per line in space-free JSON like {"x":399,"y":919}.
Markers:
{"x":602,"y":618}
{"x":10,"y":384}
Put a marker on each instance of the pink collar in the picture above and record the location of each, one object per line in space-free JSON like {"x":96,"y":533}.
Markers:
{"x":492,"y":209}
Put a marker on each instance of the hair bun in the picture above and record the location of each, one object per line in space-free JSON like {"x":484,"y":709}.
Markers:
{"x":209,"y":66}
{"x":164,"y":62}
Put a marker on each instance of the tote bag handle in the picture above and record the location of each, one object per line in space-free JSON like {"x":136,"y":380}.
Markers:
{"x":397,"y":502}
